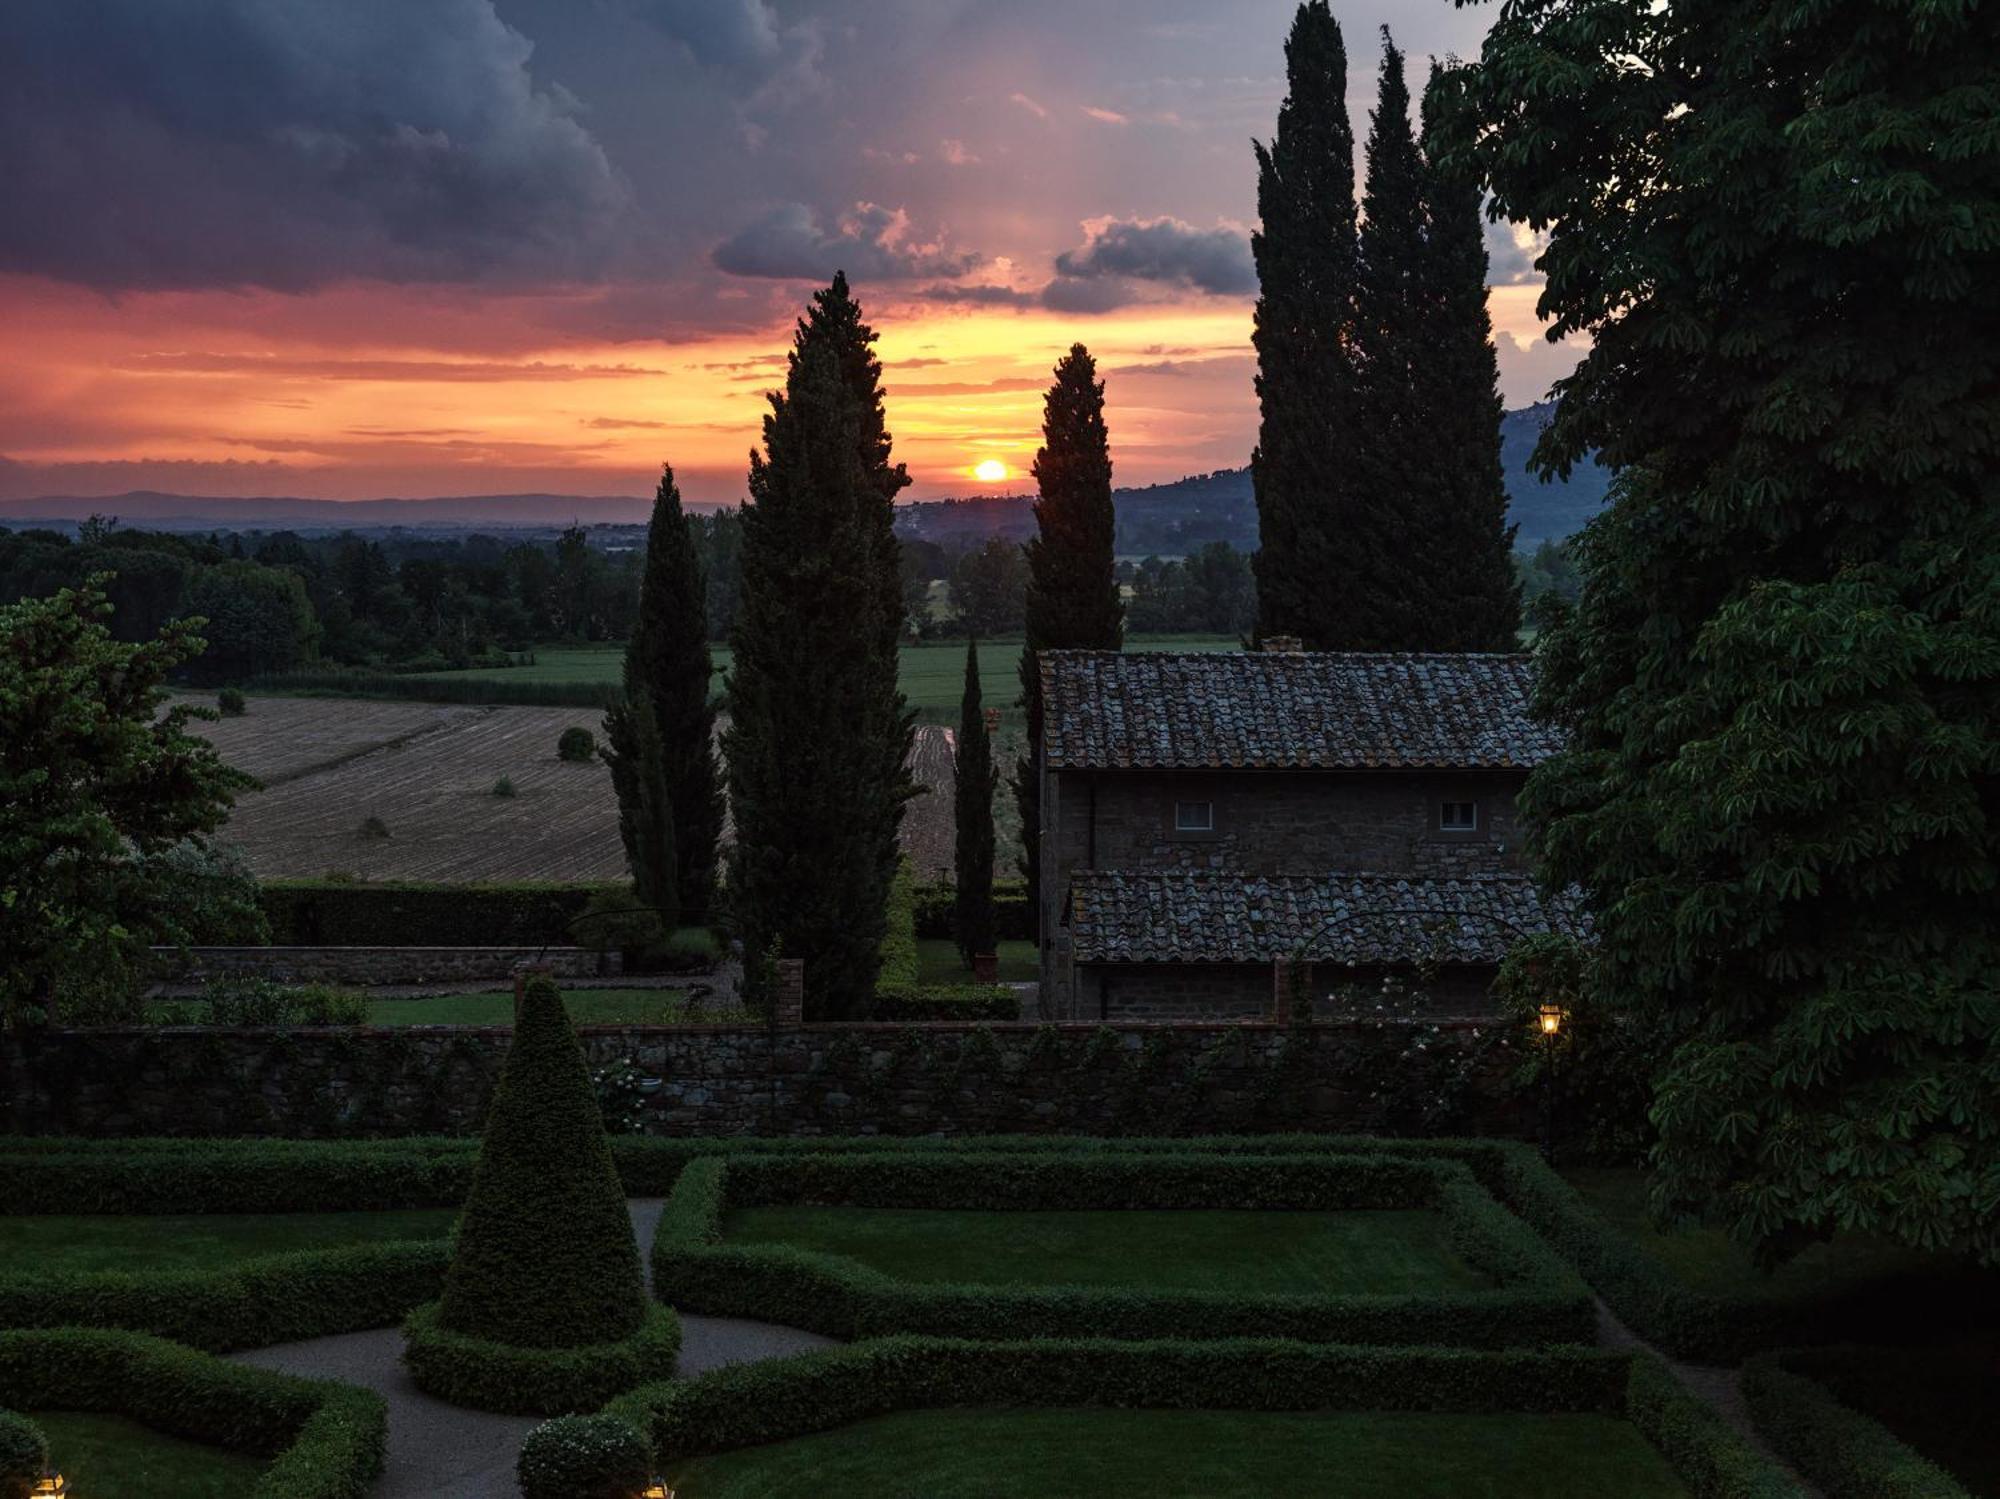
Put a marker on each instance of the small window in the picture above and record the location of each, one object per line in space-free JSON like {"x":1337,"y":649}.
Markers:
{"x":1194,"y":817}
{"x":1459,"y":817}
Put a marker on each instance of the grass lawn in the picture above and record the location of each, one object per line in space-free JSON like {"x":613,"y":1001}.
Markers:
{"x":31,"y":1243}
{"x":933,"y":671}
{"x":1270,"y":1253}
{"x":585,"y":1006}
{"x":1111,"y":1454}
{"x":1707,"y":1260}
{"x":109,"y":1457}
{"x":938,"y":962}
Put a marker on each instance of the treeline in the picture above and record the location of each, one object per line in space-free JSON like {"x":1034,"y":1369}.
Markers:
{"x":279,"y":602}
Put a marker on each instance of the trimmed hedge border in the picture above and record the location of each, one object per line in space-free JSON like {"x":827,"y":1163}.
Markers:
{"x":61,"y":1175}
{"x":326,"y":1439}
{"x":753,"y":1404}
{"x":491,"y":1376}
{"x":1850,"y":1455}
{"x":282,"y":1298}
{"x":936,"y":901}
{"x":1538,"y":1301}
{"x":353,"y":913}
{"x":898,"y":993}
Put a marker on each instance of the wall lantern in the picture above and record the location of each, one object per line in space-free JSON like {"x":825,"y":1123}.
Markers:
{"x":656,"y":1489}
{"x":1551,"y":1018}
{"x":51,"y":1485}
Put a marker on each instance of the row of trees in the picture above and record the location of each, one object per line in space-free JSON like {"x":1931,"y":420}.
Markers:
{"x":1380,"y":498}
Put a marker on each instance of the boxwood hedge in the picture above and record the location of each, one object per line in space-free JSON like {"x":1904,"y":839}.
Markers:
{"x":325,"y":1439}
{"x":1848,"y":1454}
{"x":752,"y":1404}
{"x":348,"y":913}
{"x":1537,"y":1299}
{"x":506,"y":1377}
{"x":24,"y":1454}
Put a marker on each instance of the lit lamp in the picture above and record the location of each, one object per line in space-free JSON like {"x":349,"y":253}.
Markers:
{"x":1552,"y":1019}
{"x":51,"y":1485}
{"x":1549,"y":1016}
{"x":656,"y":1489}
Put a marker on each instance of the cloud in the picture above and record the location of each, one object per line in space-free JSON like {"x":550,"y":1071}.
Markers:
{"x":870,"y":243}
{"x":1089,"y":295}
{"x":978,"y":296}
{"x":1034,"y":107}
{"x":1164,"y":250}
{"x":743,"y":38}
{"x":617,"y":423}
{"x":264,"y":143}
{"x":269,"y":366}
{"x":1511,"y":252}
{"x":1106,"y":116}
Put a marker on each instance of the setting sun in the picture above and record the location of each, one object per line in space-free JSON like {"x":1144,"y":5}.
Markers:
{"x":989,"y":470}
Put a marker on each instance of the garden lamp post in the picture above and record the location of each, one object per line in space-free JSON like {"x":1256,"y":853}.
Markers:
{"x":656,"y":1489}
{"x":1550,"y":1018}
{"x":51,"y":1485}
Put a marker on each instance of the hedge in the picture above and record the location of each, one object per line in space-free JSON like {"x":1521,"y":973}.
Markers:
{"x":933,"y":903}
{"x":1537,"y":1300}
{"x":1849,"y":1455}
{"x":343,"y":913}
{"x":898,"y":993}
{"x":504,"y":1377}
{"x":250,"y":1304}
{"x":753,"y":1404}
{"x":24,"y":1453}
{"x":61,"y":1175}
{"x":325,"y":1439}
{"x":583,"y":1457}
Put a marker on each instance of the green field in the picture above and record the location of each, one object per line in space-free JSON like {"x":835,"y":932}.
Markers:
{"x":109,"y":1457}
{"x":933,"y":673}
{"x":1148,"y":1454}
{"x":41,"y":1243}
{"x":1375,"y":1252}
{"x":585,"y":1006}
{"x":938,"y":962}
{"x":1708,"y":1260}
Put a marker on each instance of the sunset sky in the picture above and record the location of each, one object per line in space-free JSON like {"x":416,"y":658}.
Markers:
{"x":415,"y":247}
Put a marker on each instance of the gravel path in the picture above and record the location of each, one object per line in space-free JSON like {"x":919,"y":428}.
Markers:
{"x":440,"y":1451}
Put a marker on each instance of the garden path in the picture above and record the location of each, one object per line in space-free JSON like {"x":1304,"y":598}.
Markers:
{"x":440,"y":1451}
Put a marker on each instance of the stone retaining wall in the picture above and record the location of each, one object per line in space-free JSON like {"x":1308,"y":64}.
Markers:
{"x":381,"y":965}
{"x":1399,"y":1076}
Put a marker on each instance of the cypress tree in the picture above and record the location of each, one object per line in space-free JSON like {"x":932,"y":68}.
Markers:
{"x":1473,"y":592}
{"x":819,"y":734}
{"x":670,"y":815}
{"x":1305,"y":255}
{"x":1072,"y":599}
{"x":545,"y":1257}
{"x":972,"y":800}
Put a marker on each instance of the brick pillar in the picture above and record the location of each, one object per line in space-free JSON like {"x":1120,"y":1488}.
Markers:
{"x":788,"y":999}
{"x":985,"y":968}
{"x":521,"y":976}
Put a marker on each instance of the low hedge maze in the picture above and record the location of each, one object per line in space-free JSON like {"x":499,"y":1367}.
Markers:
{"x":1537,"y":1300}
{"x":1794,"y":1401}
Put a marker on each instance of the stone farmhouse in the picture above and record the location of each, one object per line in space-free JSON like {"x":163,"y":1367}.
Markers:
{"x":1227,"y":834}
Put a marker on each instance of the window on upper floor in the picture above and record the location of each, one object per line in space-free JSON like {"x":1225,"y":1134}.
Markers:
{"x":1194,"y":817}
{"x":1458,"y":817}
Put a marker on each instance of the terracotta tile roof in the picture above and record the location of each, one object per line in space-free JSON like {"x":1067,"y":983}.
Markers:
{"x":1209,"y":916}
{"x":1289,"y":710}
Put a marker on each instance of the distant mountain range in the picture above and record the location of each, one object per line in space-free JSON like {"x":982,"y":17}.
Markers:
{"x":1158,"y":519}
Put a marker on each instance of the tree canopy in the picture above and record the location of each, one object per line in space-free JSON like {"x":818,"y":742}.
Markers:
{"x":1781,"y":682}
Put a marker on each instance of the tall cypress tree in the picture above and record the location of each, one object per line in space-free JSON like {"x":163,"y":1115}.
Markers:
{"x":1305,"y":254}
{"x":972,"y":801}
{"x":667,"y":670}
{"x":1474,"y":592}
{"x":1073,"y":601}
{"x":819,"y":734}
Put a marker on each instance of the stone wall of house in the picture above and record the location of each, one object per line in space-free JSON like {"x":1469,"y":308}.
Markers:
{"x":1399,"y":1077}
{"x":381,"y":965}
{"x":1245,"y":991}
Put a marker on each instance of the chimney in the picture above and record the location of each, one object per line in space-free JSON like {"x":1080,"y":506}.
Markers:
{"x":1283,"y":643}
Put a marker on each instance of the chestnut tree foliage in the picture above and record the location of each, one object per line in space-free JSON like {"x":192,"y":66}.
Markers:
{"x":102,"y":798}
{"x":1778,"y":222}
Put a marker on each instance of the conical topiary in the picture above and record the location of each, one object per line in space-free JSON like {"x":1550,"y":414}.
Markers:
{"x":546,"y":1257}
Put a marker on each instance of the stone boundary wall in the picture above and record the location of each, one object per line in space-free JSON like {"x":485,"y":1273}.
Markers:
{"x":381,"y":965}
{"x":1401,"y":1077}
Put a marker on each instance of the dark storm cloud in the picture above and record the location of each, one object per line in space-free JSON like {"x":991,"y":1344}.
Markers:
{"x":261,"y":142}
{"x":1163,"y":250}
{"x":741,"y":37}
{"x":977,"y":296}
{"x":871,"y":243}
